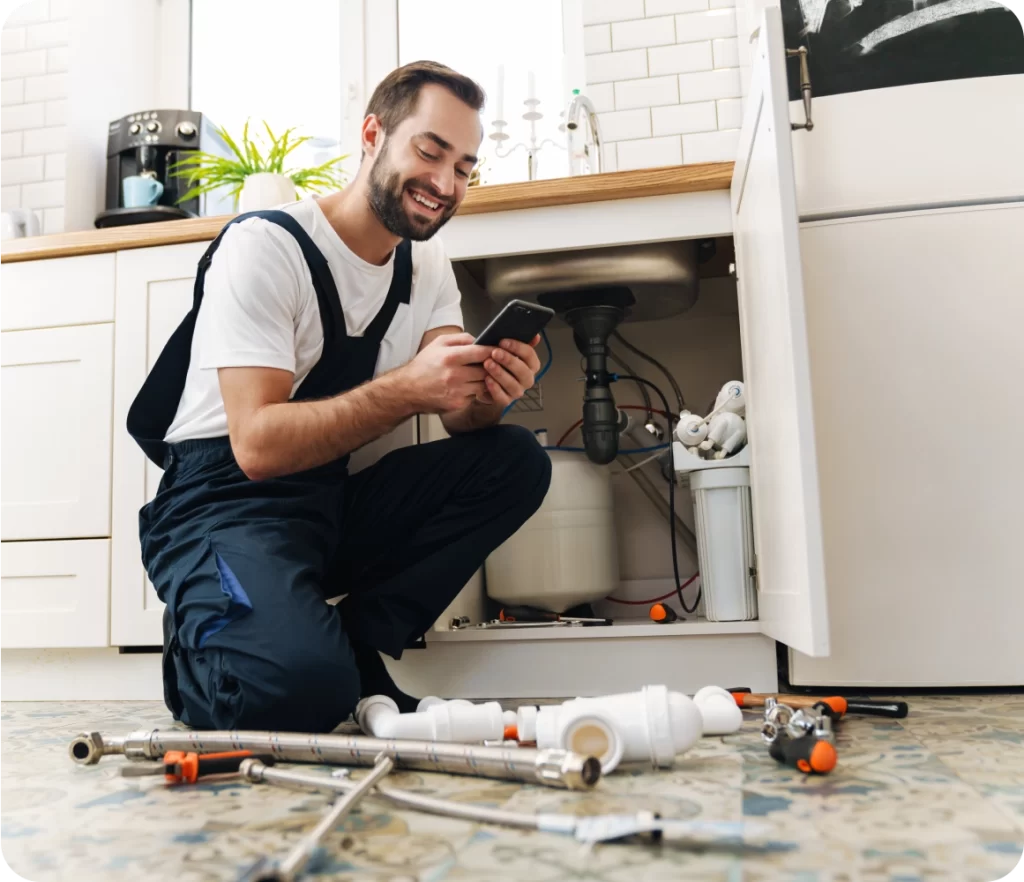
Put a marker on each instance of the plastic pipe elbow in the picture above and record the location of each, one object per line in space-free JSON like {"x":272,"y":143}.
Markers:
{"x":652,"y":725}
{"x":719,"y":712}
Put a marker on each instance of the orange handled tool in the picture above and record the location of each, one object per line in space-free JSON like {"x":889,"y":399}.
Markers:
{"x":836,"y":704}
{"x":663,"y":614}
{"x":809,"y":753}
{"x":179,"y":767}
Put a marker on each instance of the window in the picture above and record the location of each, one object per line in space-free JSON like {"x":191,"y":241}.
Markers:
{"x":261,"y":60}
{"x":499,"y":48}
{"x":313,"y":64}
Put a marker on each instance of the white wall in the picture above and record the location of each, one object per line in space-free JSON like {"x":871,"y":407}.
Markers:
{"x":33,"y":74}
{"x":114,"y":71}
{"x":664,"y":76}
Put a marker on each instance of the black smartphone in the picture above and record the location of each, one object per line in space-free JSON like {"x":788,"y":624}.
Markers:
{"x":518,"y":320}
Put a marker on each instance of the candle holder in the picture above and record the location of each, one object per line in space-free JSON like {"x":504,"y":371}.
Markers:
{"x":532,"y":147}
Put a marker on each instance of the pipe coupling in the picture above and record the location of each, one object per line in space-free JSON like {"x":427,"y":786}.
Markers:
{"x":571,"y":770}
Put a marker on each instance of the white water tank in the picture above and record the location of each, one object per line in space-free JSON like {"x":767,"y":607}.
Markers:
{"x":567,"y":553}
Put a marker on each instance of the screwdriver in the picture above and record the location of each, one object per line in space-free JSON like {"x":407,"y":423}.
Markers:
{"x":179,"y":767}
{"x":837,"y":705}
{"x":532,"y":614}
{"x":808,"y":753}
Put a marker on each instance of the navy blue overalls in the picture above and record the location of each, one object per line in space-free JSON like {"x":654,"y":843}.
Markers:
{"x":245,"y":567}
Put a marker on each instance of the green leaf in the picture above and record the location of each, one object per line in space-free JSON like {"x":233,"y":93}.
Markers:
{"x":205,"y":172}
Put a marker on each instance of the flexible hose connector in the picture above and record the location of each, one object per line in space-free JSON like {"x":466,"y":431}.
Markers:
{"x":574,"y":771}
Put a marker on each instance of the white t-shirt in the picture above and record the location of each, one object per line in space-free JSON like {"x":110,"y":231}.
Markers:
{"x":259,"y":309}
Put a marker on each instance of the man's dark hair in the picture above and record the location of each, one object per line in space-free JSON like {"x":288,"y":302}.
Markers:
{"x":395,"y":96}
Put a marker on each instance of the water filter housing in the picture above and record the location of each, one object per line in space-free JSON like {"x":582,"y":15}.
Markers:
{"x":725,"y":542}
{"x":567,"y":553}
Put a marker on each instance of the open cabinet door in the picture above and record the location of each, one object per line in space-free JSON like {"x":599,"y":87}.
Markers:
{"x":783,"y":470}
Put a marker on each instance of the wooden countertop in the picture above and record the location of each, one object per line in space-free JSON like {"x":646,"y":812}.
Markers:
{"x":479,"y":200}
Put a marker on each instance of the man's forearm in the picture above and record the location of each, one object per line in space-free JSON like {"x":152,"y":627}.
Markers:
{"x":294,"y":436}
{"x":469,"y":419}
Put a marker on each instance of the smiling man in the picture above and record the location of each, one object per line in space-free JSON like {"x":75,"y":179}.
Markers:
{"x":316,"y":329}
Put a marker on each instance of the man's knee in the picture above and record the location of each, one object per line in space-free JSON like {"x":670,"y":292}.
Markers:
{"x":525,"y":464}
{"x":302,"y":688}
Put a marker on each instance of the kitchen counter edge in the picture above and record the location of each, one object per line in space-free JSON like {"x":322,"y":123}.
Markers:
{"x":661,"y":181}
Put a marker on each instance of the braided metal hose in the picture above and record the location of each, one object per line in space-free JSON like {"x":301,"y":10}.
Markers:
{"x":552,"y":768}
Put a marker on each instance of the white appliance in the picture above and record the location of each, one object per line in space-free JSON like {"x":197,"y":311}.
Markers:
{"x":911,"y":206}
{"x":18,"y":223}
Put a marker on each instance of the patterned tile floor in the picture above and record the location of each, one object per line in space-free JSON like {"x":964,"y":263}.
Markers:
{"x":937,"y":796}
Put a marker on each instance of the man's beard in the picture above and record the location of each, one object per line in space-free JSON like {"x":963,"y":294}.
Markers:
{"x":386,"y":191}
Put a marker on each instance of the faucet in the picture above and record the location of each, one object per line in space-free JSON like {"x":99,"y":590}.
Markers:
{"x":592,"y":148}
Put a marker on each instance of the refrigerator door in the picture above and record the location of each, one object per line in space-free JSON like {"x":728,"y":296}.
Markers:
{"x":911,"y":147}
{"x":914,"y":321}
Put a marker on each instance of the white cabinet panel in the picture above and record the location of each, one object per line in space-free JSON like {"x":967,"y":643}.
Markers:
{"x":56,"y":407}
{"x":54,"y":594}
{"x":54,"y":293}
{"x":916,"y":356}
{"x":783,"y":472}
{"x":906,"y":147}
{"x":154,"y":292}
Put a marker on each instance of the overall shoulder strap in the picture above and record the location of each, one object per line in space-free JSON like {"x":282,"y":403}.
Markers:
{"x":156,"y":404}
{"x":319,"y":270}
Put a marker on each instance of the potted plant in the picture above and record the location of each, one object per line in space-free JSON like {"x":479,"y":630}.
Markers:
{"x":256,"y":178}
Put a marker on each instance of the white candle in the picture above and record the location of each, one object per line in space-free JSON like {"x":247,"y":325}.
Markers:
{"x":532,"y":88}
{"x":501,"y":91}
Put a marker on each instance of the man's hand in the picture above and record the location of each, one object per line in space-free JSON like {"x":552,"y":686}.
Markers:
{"x":446,"y":374}
{"x":511,"y":370}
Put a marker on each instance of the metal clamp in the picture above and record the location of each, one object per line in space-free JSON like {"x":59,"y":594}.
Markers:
{"x":805,"y":87}
{"x":776,"y":719}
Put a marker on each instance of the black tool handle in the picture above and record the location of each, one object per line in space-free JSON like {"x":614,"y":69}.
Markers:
{"x":809,"y":754}
{"x":894,"y":709}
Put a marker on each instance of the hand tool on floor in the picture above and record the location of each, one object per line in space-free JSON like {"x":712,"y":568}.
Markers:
{"x":553,"y":768}
{"x":532,"y":614}
{"x":662,"y":614}
{"x":179,"y":767}
{"x":799,"y":738}
{"x":290,"y":866}
{"x":586,"y":829}
{"x":836,"y":703}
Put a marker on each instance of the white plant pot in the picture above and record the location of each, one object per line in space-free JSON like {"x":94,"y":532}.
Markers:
{"x":265,"y":190}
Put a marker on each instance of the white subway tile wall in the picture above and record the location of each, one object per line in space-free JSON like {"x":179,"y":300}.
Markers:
{"x":34,"y":86}
{"x":649,"y":152}
{"x":664,"y":77}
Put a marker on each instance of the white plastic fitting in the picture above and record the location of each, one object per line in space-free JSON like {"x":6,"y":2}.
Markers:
{"x":455,"y":721}
{"x":726,"y":432}
{"x":650,"y":725}
{"x":732,"y":398}
{"x":719,"y":711}
{"x":691,"y":429}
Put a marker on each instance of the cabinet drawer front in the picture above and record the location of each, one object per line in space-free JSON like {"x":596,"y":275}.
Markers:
{"x":58,"y":292}
{"x":56,"y":403}
{"x":54,"y":594}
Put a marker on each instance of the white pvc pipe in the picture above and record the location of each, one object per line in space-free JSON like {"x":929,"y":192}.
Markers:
{"x":652,"y":725}
{"x":452,"y":721}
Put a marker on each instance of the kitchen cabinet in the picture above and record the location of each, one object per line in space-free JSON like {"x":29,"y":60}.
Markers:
{"x":791,"y":578}
{"x":56,"y":408}
{"x":55,"y":594}
{"x":153,"y":294}
{"x":914,"y":321}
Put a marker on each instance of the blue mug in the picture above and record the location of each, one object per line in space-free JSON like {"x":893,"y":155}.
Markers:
{"x":141,"y":190}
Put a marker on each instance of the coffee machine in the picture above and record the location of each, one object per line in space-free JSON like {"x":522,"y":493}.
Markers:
{"x":141,"y":147}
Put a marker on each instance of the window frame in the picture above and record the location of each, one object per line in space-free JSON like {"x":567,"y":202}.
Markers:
{"x":369,"y":51}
